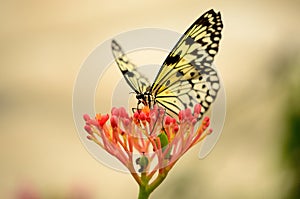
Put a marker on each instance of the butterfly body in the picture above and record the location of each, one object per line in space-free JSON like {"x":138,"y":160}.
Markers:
{"x":186,"y":77}
{"x":145,"y":98}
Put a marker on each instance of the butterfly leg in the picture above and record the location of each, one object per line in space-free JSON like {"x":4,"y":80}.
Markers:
{"x":137,"y":107}
{"x":134,"y":110}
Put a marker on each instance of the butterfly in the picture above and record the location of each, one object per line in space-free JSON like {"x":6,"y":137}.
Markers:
{"x":186,"y":77}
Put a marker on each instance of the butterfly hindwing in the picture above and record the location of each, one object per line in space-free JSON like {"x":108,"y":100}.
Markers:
{"x":134,"y":79}
{"x":187,"y":77}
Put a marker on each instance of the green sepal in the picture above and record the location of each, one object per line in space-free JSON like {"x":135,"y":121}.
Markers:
{"x":163,"y":140}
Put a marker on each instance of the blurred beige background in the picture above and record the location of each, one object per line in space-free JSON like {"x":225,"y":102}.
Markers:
{"x":43,"y":44}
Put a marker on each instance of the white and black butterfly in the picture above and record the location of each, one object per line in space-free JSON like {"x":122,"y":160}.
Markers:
{"x":186,"y":76}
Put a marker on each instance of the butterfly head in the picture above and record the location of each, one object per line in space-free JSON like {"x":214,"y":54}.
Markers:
{"x":141,"y":98}
{"x":145,"y":99}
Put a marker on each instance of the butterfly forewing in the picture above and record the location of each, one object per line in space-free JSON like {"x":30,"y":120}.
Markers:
{"x":187,"y":77}
{"x":134,"y":79}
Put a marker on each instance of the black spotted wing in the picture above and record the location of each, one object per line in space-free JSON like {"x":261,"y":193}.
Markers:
{"x":134,"y":79}
{"x":187,"y":77}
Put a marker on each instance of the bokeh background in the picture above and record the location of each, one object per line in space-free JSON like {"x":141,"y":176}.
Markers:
{"x":42,"y":46}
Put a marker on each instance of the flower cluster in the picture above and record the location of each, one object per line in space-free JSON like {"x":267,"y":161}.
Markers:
{"x":149,"y":142}
{"x":148,"y":134}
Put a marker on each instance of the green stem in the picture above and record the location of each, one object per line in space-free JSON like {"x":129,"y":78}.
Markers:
{"x":143,"y":192}
{"x":146,"y":189}
{"x":160,"y":178}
